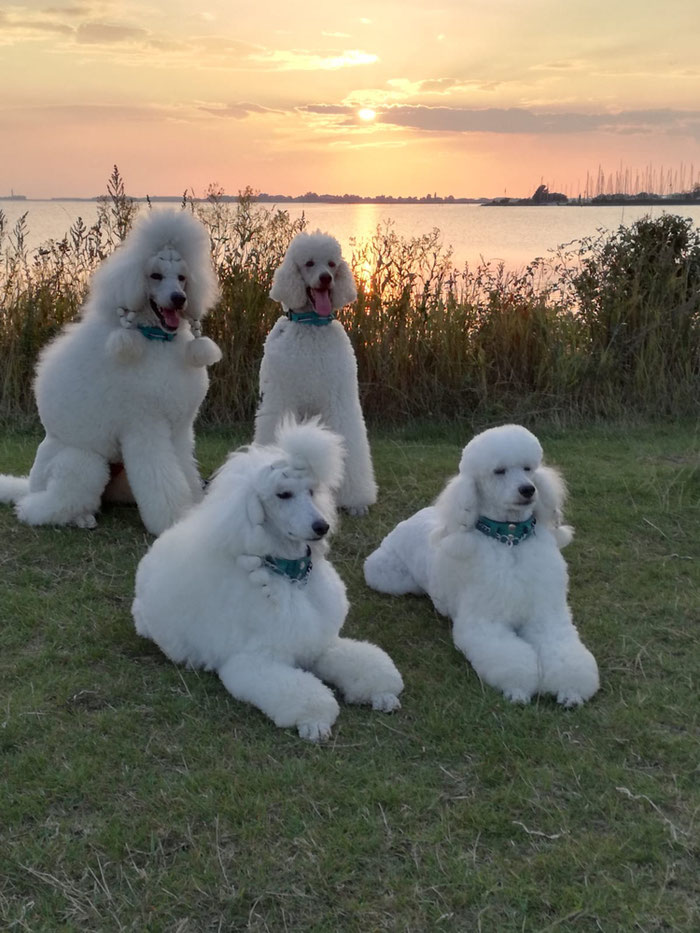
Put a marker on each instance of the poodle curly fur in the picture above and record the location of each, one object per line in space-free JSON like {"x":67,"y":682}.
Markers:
{"x":508,"y":603}
{"x":308,"y":370}
{"x":207,"y":596}
{"x":108,"y":395}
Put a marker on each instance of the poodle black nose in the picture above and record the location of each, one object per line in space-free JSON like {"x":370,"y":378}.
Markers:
{"x":178,"y":299}
{"x":320,"y":527}
{"x":527,"y":491}
{"x":325,"y":279}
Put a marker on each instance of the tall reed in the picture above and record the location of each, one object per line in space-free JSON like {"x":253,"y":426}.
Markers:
{"x":609,"y":326}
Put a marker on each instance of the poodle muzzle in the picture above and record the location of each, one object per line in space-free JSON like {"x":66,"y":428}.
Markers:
{"x":321,"y":297}
{"x":170,"y":317}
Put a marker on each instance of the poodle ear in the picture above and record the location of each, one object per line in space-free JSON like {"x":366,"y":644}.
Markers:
{"x":254,"y":510}
{"x":551,"y":495}
{"x":234,"y":503}
{"x":254,"y":538}
{"x":203,"y":290}
{"x":288,"y":287}
{"x":457,"y":506}
{"x":344,"y":289}
{"x":119,"y":284}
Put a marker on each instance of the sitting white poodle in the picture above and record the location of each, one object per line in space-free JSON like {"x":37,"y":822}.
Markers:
{"x":309,"y":365}
{"x":488,"y":555}
{"x":241,"y":586}
{"x":119,"y":390}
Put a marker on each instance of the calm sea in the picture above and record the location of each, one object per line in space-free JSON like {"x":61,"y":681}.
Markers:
{"x":514,"y":235}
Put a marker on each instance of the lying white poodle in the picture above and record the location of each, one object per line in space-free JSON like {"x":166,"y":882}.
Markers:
{"x":309,"y":365}
{"x":120,"y":389}
{"x":241,"y":586}
{"x":488,"y":555}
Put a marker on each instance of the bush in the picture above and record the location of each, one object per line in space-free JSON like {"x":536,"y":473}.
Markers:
{"x":637,"y":292}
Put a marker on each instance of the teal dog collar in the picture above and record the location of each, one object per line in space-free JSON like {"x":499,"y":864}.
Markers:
{"x":310,"y":317}
{"x":510,"y":533}
{"x":297,"y":570}
{"x":156,"y":333}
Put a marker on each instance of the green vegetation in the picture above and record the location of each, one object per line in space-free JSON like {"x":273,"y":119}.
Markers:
{"x":608,"y":327}
{"x":139,"y":796}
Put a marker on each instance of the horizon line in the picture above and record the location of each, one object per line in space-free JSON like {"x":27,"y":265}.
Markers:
{"x":311,"y":197}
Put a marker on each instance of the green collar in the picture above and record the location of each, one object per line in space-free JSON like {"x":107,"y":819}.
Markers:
{"x":310,"y":317}
{"x":297,"y":569}
{"x":510,"y":533}
{"x":156,"y":333}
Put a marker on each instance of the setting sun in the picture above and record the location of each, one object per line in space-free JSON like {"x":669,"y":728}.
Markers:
{"x":366,"y":114}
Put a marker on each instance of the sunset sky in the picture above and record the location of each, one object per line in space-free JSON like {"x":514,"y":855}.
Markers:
{"x":471,"y":97}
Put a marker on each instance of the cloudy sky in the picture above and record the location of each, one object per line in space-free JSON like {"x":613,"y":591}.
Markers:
{"x":469,"y":97}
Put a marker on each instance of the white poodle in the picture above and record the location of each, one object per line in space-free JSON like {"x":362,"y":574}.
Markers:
{"x":242,"y":586}
{"x":488,"y":555}
{"x":309,"y":366}
{"x":119,"y":390}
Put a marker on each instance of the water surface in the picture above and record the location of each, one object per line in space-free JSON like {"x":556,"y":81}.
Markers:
{"x":513,"y":235}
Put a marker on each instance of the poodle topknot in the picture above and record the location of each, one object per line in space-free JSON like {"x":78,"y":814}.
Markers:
{"x":507,"y":445}
{"x":312,"y":448}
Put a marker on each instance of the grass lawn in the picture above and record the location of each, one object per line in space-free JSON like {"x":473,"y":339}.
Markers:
{"x":139,"y":796}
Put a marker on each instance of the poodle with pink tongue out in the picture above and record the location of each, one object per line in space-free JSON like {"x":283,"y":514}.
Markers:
{"x":119,"y":389}
{"x":309,"y":366}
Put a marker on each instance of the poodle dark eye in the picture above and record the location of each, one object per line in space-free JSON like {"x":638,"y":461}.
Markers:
{"x":331,"y":265}
{"x":527,"y":469}
{"x":309,"y":264}
{"x":181,"y":278}
{"x":157,"y":276}
{"x":285,"y":495}
{"x":500,"y":472}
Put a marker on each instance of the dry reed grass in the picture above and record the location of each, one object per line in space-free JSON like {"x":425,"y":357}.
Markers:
{"x":609,"y":327}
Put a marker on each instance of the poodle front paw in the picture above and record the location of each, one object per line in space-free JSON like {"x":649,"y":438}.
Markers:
{"x":25,"y":514}
{"x":315,"y":731}
{"x":87,"y":520}
{"x":357,"y":511}
{"x":249,"y":562}
{"x":569,"y":699}
{"x":517,"y":695}
{"x":202,"y":352}
{"x":386,"y":702}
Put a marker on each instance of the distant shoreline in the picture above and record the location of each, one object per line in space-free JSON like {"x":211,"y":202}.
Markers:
{"x":265,"y":199}
{"x":600,"y":201}
{"x":658,"y":201}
